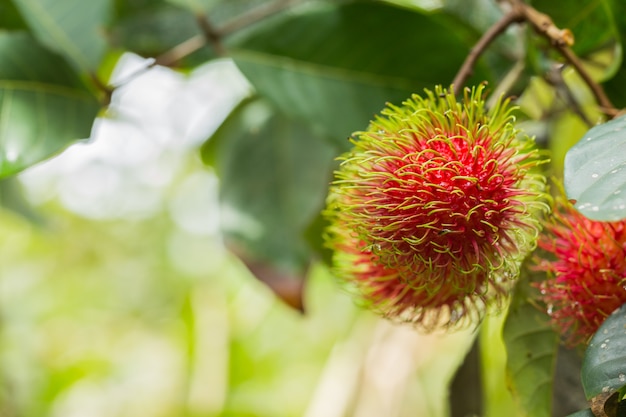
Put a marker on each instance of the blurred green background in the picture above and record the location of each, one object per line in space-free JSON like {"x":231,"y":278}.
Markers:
{"x":119,"y":298}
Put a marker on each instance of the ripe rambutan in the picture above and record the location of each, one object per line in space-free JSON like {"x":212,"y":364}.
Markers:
{"x":434,"y":208}
{"x":586,"y":265}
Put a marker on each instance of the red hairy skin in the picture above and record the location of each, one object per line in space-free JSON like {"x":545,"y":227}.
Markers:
{"x":434,"y":208}
{"x":586,"y":265}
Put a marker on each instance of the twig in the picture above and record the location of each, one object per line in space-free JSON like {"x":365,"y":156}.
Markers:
{"x":211,"y":34}
{"x":171,"y":57}
{"x":561,"y":40}
{"x":468,"y":65}
{"x":215,"y":35}
{"x":554,"y":77}
{"x":606,"y":106}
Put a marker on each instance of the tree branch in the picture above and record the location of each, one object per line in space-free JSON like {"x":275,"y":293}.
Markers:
{"x":494,"y":31}
{"x":210,"y":35}
{"x":254,"y":16}
{"x":561,"y":40}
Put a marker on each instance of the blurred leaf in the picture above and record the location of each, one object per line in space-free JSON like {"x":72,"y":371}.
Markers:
{"x":44,"y":107}
{"x":616,"y":86}
{"x":604,"y":364}
{"x":314,"y":235}
{"x":335,"y":66}
{"x":156,"y":29}
{"x":286,"y":286}
{"x":196,"y":6}
{"x":595,"y":171}
{"x":531,"y":346}
{"x":153,"y":27}
{"x":12,"y":198}
{"x":274,"y":175}
{"x":10,"y":17}
{"x":73,"y":28}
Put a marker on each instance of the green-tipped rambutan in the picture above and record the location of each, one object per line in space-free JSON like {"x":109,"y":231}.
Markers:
{"x":435,"y":207}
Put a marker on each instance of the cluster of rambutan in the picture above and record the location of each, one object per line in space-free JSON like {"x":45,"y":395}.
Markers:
{"x":435,"y":207}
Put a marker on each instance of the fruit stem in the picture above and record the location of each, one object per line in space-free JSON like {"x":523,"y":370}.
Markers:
{"x":492,"y":33}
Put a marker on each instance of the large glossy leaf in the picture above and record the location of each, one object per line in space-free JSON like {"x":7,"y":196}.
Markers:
{"x":274,"y":176}
{"x":604,"y":364}
{"x":531,"y":346}
{"x":595,"y":171}
{"x":73,"y":28}
{"x":335,"y":65}
{"x":44,"y":107}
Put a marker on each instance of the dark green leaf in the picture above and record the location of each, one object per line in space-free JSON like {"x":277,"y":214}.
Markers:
{"x":335,"y":66}
{"x":10,"y":18}
{"x":73,"y":28}
{"x":153,"y":27}
{"x":274,"y":175}
{"x":157,"y":28}
{"x":44,"y":107}
{"x":531,"y":346}
{"x":604,"y":364}
{"x":595,"y":171}
{"x":196,"y":6}
{"x":616,"y":86}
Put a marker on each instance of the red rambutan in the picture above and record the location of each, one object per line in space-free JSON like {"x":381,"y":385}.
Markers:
{"x":586,"y":266}
{"x":434,"y":208}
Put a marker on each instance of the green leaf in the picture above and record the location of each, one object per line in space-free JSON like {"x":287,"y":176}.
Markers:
{"x":274,"y":176}
{"x":196,"y":6}
{"x":44,"y":107}
{"x":531,"y":346}
{"x":153,"y":27}
{"x":616,"y":86}
{"x":335,"y":65}
{"x":604,"y":363}
{"x":595,"y":171}
{"x":10,"y":18}
{"x":157,"y":28}
{"x":73,"y":28}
